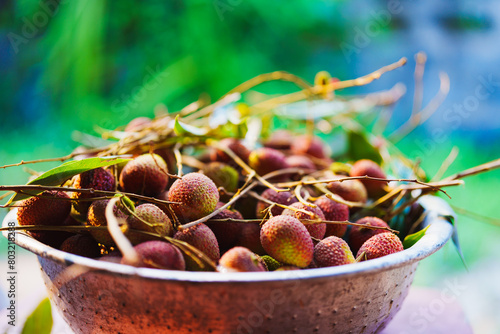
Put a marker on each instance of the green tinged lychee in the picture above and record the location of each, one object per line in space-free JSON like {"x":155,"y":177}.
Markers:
{"x":333,"y":211}
{"x":332,"y":251}
{"x":202,"y":238}
{"x":271,"y":263}
{"x":97,"y":179}
{"x":150,"y":218}
{"x":370,"y":168}
{"x":315,"y":230}
{"x":158,"y":255}
{"x":358,"y":235}
{"x":50,"y":208}
{"x":266,"y":160}
{"x":222,"y":174}
{"x":97,"y":217}
{"x":350,"y":190}
{"x":197,"y":194}
{"x":240,"y":259}
{"x":287,"y":240}
{"x":379,"y":245}
{"x":83,"y":245}
{"x":282,"y":197}
{"x":145,"y":175}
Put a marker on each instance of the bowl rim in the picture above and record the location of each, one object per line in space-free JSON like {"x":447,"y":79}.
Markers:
{"x":438,"y":233}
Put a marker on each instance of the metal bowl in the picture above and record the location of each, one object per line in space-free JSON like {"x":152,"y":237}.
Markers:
{"x":108,"y":297}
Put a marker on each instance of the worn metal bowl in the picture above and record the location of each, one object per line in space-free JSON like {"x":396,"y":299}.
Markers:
{"x":101,"y":297}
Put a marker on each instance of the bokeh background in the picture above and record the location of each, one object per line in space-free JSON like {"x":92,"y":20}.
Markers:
{"x":67,"y":66}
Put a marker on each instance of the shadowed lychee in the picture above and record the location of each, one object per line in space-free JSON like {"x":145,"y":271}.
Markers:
{"x":379,"y":245}
{"x":266,"y":160}
{"x":315,"y":230}
{"x":333,"y":211}
{"x":83,"y":245}
{"x":310,"y":145}
{"x":226,"y":232}
{"x":145,"y":175}
{"x":234,"y":145}
{"x":300,"y":161}
{"x":282,"y":197}
{"x":287,"y":240}
{"x":158,"y":221}
{"x":97,"y":217}
{"x":50,"y":208}
{"x":280,"y":140}
{"x":202,"y":238}
{"x":158,"y":255}
{"x":240,"y":259}
{"x":97,"y":179}
{"x":271,"y":263}
{"x":332,"y":251}
{"x":197,"y":194}
{"x":249,"y":237}
{"x":358,"y":235}
{"x":222,"y":174}
{"x":370,"y":168}
{"x":350,"y":190}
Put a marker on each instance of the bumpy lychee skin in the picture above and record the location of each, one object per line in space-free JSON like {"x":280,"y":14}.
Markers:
{"x":287,"y":240}
{"x":222,"y":174}
{"x":197,"y":194}
{"x":158,"y":255}
{"x":249,"y":237}
{"x":50,"y":208}
{"x":83,"y":245}
{"x":271,"y":263}
{"x":282,"y":197}
{"x":234,"y":145}
{"x":332,"y":251}
{"x":350,"y":190}
{"x":226,"y":232}
{"x":265,"y":160}
{"x":358,"y":235}
{"x":145,"y":175}
{"x":240,"y":259}
{"x":300,"y":161}
{"x":97,"y":217}
{"x":367,"y":167}
{"x":310,"y":145}
{"x":97,"y":179}
{"x":150,"y":213}
{"x":379,"y":245}
{"x":201,"y":237}
{"x":333,"y":211}
{"x":315,"y":230}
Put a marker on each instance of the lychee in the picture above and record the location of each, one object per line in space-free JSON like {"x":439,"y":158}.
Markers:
{"x":97,"y":217}
{"x":287,"y":240}
{"x":158,"y":255}
{"x":300,"y":161}
{"x":50,"y":208}
{"x":83,"y":245}
{"x":145,"y":175}
{"x":333,"y":211}
{"x":226,"y":232}
{"x":358,"y":235}
{"x":282,"y":197}
{"x":315,"y":230}
{"x":370,"y":168}
{"x":153,"y":215}
{"x":332,"y":251}
{"x":379,"y":245}
{"x":234,"y":145}
{"x":271,"y":263}
{"x":280,"y":140}
{"x":240,"y":259}
{"x":310,"y":145}
{"x":202,"y":238}
{"x":350,"y":190}
{"x":197,"y":194}
{"x":265,"y":160}
{"x":249,"y":237}
{"x":222,"y":174}
{"x":97,"y":179}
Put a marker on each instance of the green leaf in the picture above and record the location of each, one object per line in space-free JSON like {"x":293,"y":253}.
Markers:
{"x":361,"y":148}
{"x":454,"y":238}
{"x":182,"y":129}
{"x":412,"y":239}
{"x":58,"y":175}
{"x":40,"y":321}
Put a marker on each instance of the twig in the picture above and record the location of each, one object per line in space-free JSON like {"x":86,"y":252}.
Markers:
{"x":420,"y":59}
{"x":129,"y":253}
{"x":446,"y":163}
{"x":178,"y":159}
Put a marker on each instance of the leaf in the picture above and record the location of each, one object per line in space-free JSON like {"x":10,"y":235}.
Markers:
{"x":40,"y":321}
{"x":182,"y":129}
{"x":361,"y":148}
{"x":58,"y":175}
{"x":412,"y":239}
{"x":454,"y":238}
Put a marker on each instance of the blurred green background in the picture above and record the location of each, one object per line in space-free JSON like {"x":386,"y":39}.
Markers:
{"x":71,"y":65}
